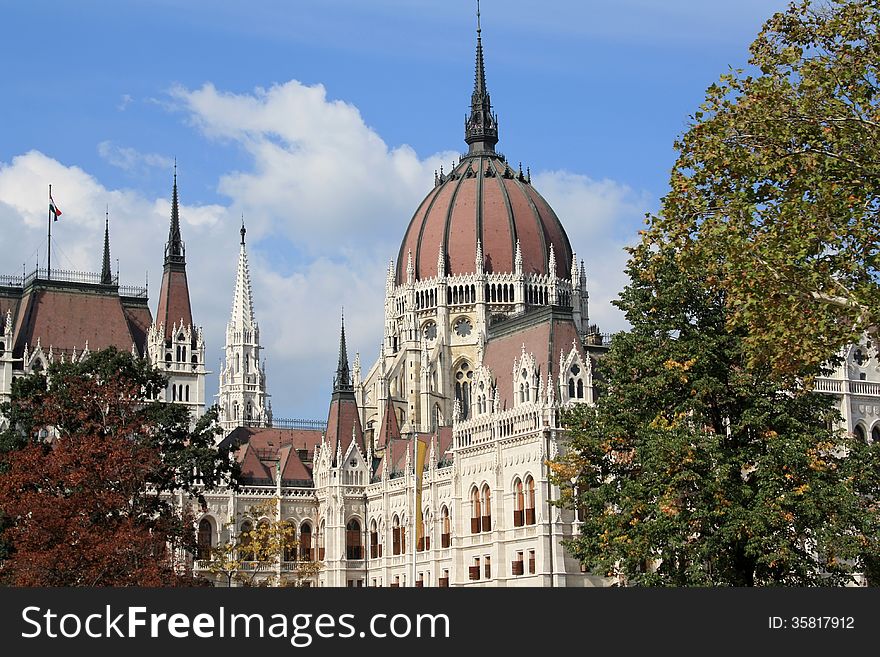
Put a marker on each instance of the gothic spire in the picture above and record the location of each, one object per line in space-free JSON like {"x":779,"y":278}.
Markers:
{"x":242,"y":300}
{"x":175,"y":251}
{"x":106,"y":276}
{"x":342,"y":380}
{"x":481,"y":127}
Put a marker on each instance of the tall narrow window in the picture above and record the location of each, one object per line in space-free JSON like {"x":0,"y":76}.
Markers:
{"x":204,"y":539}
{"x":530,"y":501}
{"x":475,"y":511}
{"x":486,"y":520}
{"x":353,"y":544}
{"x":305,"y":542}
{"x":395,"y":535}
{"x":447,"y":526}
{"x":518,"y":502}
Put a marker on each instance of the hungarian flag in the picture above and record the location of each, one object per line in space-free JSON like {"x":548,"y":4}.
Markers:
{"x":53,"y":208}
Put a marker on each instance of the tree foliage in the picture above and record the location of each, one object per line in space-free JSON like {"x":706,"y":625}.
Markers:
{"x":695,"y":468}
{"x":775,"y":195}
{"x":251,"y":556}
{"x":87,"y":467}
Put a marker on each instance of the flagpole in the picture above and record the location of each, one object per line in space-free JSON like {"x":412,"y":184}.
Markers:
{"x":414,"y":539}
{"x":49,"y":240}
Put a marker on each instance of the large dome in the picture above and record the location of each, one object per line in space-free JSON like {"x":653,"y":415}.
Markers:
{"x":484,"y":199}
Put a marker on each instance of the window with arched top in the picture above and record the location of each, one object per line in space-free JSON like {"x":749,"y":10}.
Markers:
{"x":860,"y":432}
{"x":186,"y":392}
{"x":396,"y":537}
{"x":580,"y":389}
{"x":475,"y":510}
{"x":571,"y":389}
{"x":237,"y":363}
{"x":445,"y":527}
{"x":530,"y":500}
{"x":354,"y":548}
{"x":875,"y":434}
{"x":235,"y":411}
{"x":204,"y":539}
{"x":518,"y":504}
{"x":305,"y":542}
{"x":486,"y":519}
{"x":319,"y":540}
{"x":375,"y":540}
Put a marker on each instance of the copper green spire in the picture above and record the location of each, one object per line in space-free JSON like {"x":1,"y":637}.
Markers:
{"x":481,"y":127}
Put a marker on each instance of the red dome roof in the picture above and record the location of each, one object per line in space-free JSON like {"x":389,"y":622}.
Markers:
{"x":484,"y":199}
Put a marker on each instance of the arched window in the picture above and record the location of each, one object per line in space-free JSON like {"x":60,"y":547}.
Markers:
{"x":319,"y":540}
{"x":237,"y":364}
{"x":395,"y":535}
{"x":204,"y":539}
{"x":571,"y":391}
{"x":186,"y":392}
{"x":860,"y":432}
{"x":518,"y":504}
{"x":446,"y":527}
{"x":375,"y":541}
{"x":245,"y":551}
{"x":530,"y":501}
{"x":875,"y":434}
{"x":235,"y":411}
{"x":580,"y":390}
{"x":424,"y":538}
{"x":305,"y":542}
{"x":247,"y":361}
{"x":354,"y":548}
{"x":173,"y":392}
{"x":475,"y":511}
{"x":249,"y":412}
{"x":486,"y":520}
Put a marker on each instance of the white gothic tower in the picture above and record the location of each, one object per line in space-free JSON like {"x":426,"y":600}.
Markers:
{"x":242,"y":397}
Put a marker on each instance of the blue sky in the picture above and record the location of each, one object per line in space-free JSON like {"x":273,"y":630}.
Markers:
{"x":322,"y":122}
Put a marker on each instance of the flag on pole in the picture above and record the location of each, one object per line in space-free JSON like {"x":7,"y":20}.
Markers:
{"x":53,"y":208}
{"x":421,"y":449}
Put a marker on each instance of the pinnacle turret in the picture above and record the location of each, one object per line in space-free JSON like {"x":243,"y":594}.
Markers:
{"x":481,"y":127}
{"x":106,"y":275}
{"x":342,"y":380}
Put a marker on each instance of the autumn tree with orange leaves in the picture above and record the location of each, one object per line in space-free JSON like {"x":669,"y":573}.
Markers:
{"x":86,"y":468}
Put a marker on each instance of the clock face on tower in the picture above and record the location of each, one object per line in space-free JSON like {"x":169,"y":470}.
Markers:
{"x":463,"y":327}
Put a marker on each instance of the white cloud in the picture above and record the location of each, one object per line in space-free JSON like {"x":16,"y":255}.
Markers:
{"x":326,"y":202}
{"x":131,"y":160}
{"x":598,"y":216}
{"x":124,"y":101}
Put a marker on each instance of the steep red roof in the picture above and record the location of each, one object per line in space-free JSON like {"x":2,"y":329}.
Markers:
{"x":544,"y":332}
{"x":174,"y":303}
{"x":259,"y":449}
{"x":390,"y":427}
{"x":344,"y":422}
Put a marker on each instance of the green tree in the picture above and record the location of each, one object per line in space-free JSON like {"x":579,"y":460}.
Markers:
{"x":86,"y":470}
{"x":695,"y":468}
{"x":774,"y":195}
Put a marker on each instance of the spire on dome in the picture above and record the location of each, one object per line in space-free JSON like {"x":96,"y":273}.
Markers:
{"x":342,"y":380}
{"x":481,"y":127}
{"x":106,"y":276}
{"x":175,"y":250}
{"x":242,"y":301}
